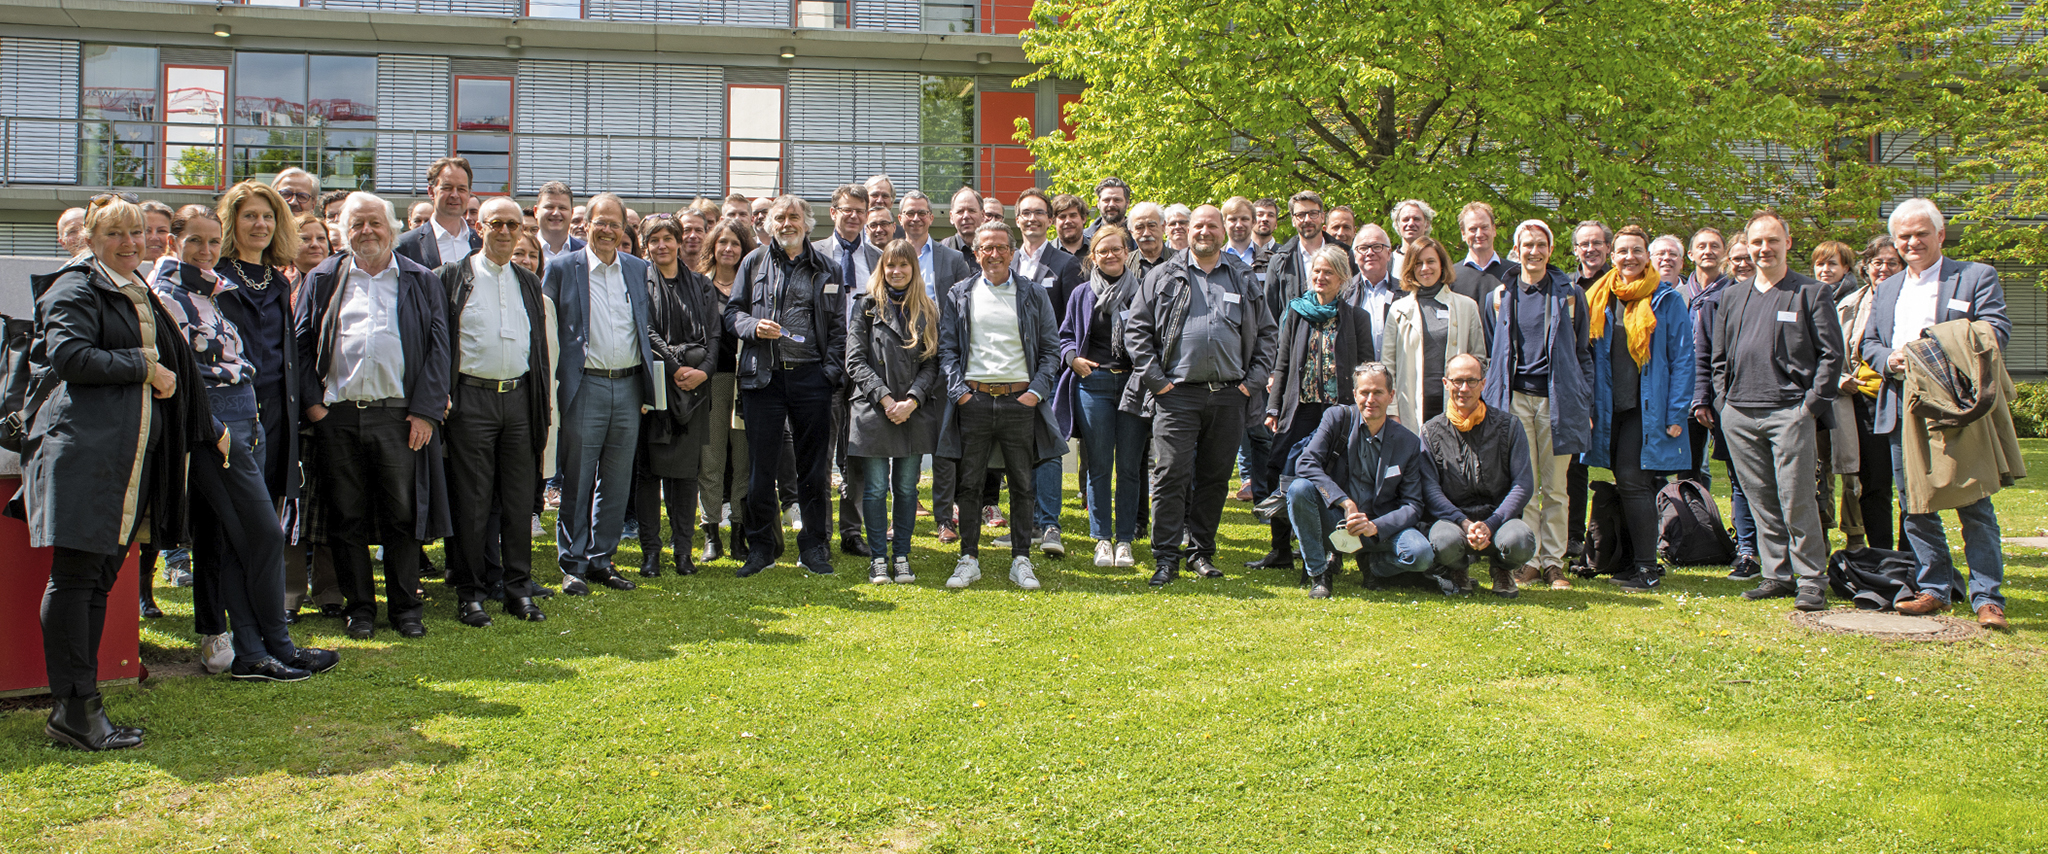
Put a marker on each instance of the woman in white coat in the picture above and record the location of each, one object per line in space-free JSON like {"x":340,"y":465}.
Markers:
{"x":1425,"y":328}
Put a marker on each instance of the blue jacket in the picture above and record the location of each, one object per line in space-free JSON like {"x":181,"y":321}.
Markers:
{"x":567,"y":282}
{"x":1571,"y":368}
{"x":1665,"y":396}
{"x":1968,"y":291}
{"x":1397,"y":499}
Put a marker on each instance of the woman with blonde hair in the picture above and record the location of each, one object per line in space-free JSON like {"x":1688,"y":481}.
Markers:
{"x":1426,"y":327}
{"x":892,"y":368}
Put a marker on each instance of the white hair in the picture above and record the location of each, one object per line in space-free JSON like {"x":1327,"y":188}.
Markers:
{"x":1428,"y":213}
{"x":1142,"y":207}
{"x":360,"y":199}
{"x":1670,"y":238}
{"x":802,"y":207}
{"x":296,"y":172}
{"x":1175,"y":209}
{"x":1913,"y":208}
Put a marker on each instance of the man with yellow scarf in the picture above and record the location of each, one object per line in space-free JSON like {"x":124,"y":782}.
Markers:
{"x":1642,"y":392}
{"x":1481,"y":482}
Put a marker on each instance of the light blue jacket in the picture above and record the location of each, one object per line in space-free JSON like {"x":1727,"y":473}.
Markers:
{"x":1665,"y":392}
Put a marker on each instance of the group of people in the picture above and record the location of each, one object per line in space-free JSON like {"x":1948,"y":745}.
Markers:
{"x":339,"y":383}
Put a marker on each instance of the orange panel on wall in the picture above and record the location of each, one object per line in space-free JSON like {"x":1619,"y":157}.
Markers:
{"x":1005,"y":171}
{"x":1005,"y":17}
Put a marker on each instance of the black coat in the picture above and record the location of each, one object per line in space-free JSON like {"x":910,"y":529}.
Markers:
{"x":683,"y":326}
{"x":420,"y":245}
{"x":878,"y":365}
{"x":1041,"y":340}
{"x":1396,"y":502}
{"x":423,"y":327}
{"x":84,"y":473}
{"x":752,"y":301}
{"x":1354,"y":347}
{"x":459,"y":280}
{"x":1158,"y":314}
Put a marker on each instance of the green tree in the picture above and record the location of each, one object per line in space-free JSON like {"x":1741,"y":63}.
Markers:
{"x":1627,"y":109}
{"x":2005,"y":216}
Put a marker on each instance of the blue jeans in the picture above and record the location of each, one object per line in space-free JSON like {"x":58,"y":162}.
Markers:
{"x":1982,"y":548}
{"x":876,"y":489}
{"x":1046,"y":482}
{"x":1114,"y":445}
{"x":1313,"y":520}
{"x":1745,"y":524}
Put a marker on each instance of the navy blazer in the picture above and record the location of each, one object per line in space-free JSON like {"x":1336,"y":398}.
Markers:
{"x":1059,"y":274}
{"x":1969,"y":291}
{"x":1397,"y":500}
{"x":420,"y":245}
{"x":949,"y":267}
{"x":567,"y":282}
{"x":1571,"y":361}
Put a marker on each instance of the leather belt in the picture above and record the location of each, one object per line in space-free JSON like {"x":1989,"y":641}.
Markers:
{"x":612,"y":373}
{"x":499,"y":386}
{"x":791,"y":366}
{"x":1216,"y":387}
{"x":999,"y":389}
{"x":386,"y":403}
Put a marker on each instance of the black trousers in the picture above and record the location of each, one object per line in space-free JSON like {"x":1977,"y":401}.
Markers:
{"x":1575,"y":490}
{"x":493,"y":482}
{"x":992,"y":425}
{"x":74,"y":617}
{"x":369,"y":470}
{"x":797,"y":399}
{"x":1636,"y":488}
{"x":240,"y":544}
{"x":1195,"y":435}
{"x":1882,"y":525}
{"x":650,"y":494}
{"x":851,"y":477}
{"x":1306,"y":417}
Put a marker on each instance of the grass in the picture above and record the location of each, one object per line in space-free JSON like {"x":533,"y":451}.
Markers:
{"x":790,"y":713}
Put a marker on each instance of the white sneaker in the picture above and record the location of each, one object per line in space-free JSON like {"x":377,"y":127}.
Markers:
{"x":903,"y":573}
{"x":1020,"y":572}
{"x":1051,"y":543}
{"x":793,"y":517}
{"x":1124,"y":556}
{"x":539,"y":529}
{"x":966,"y":572}
{"x":216,"y":653}
{"x":1105,"y":555}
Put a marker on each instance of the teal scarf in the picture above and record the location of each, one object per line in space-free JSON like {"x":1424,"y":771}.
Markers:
{"x":1311,"y":310}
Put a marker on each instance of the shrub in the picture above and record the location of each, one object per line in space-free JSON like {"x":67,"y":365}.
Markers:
{"x":2030,"y":410}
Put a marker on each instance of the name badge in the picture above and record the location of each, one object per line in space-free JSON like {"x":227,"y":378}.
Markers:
{"x":1958,"y":305}
{"x":1125,"y":315}
{"x":831,"y":288}
{"x":1788,"y":317}
{"x":1443,"y":314}
{"x":1230,"y":298}
{"x":1393,"y":471}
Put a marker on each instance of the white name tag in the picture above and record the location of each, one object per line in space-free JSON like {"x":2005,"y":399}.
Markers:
{"x":831,"y":288}
{"x":1125,"y":315}
{"x":1788,"y":317}
{"x":1443,"y":314}
{"x":1393,"y":471}
{"x":1958,"y":305}
{"x":1230,"y":298}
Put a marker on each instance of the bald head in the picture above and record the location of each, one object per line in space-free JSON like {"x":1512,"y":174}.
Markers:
{"x":1205,"y":232}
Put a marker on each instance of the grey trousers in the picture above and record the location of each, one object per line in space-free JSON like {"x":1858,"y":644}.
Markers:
{"x":1774,"y":449}
{"x":1512,"y":545}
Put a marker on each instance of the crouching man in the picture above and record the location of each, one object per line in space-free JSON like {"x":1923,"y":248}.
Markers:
{"x":1481,"y":480}
{"x":1362,"y":474}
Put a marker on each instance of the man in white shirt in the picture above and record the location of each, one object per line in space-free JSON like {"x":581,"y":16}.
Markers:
{"x":1931,"y":290}
{"x":1374,"y":288}
{"x":498,"y":416}
{"x":552,"y":210}
{"x":1412,"y":219}
{"x":966,"y":215}
{"x":446,"y":236}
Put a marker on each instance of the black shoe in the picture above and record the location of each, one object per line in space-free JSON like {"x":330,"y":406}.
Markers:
{"x":573,"y":586}
{"x":616,"y":581}
{"x":268,"y":670}
{"x":291,"y":617}
{"x":1771,"y":589}
{"x":316,"y":660}
{"x":523,"y":608}
{"x":362,"y":628}
{"x":714,"y":549}
{"x":472,"y":615}
{"x":1164,"y":571}
{"x":1745,"y":568}
{"x":1319,"y":586}
{"x":330,"y":610}
{"x":818,"y":561}
{"x":684,"y":565}
{"x":542,"y":591}
{"x":856,"y":545}
{"x":1573,"y":550}
{"x":82,"y":723}
{"x":1201,"y":565}
{"x":754,"y":565}
{"x":410,"y":627}
{"x":1638,"y":581}
{"x":1813,"y":596}
{"x":1274,"y":559}
{"x":650,"y":563}
{"x":1445,"y":584}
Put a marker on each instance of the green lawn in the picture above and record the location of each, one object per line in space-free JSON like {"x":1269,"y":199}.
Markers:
{"x":792,"y":713}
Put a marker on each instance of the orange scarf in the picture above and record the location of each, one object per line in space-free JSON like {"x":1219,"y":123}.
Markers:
{"x":1636,"y":315}
{"x":1465,"y":425}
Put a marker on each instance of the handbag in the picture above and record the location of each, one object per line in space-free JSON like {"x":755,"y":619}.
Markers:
{"x":21,"y":387}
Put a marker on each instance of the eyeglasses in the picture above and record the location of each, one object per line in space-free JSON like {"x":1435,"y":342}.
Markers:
{"x":503,"y":224}
{"x":1373,"y":247}
{"x":998,"y":249}
{"x":846,"y":210}
{"x":610,"y":224}
{"x":299,"y":195}
{"x":1306,"y":214}
{"x":913,"y":213}
{"x":1463,"y":383}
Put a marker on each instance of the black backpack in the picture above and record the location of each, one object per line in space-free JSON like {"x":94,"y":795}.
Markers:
{"x":1608,"y":551}
{"x":19,"y":400}
{"x":1689,"y":531}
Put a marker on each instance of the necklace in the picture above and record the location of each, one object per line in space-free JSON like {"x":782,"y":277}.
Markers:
{"x":268,"y":275}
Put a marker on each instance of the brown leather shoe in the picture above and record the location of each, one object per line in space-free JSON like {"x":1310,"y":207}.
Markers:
{"x":1922,"y":605}
{"x":1992,"y":617}
{"x":1528,"y":573}
{"x":1555,"y":575}
{"x":1244,"y":492}
{"x":1503,"y":582}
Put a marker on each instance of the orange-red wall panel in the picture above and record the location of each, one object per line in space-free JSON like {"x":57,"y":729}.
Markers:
{"x":1005,"y":17}
{"x":1005,"y":171}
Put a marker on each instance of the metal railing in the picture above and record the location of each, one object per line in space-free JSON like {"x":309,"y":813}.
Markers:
{"x":938,"y":16}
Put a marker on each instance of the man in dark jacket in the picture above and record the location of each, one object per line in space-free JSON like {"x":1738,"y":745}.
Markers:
{"x":1776,"y":359}
{"x":1362,"y":474}
{"x":1707,"y":283}
{"x":446,"y":236}
{"x":1200,"y":340}
{"x":498,"y":419}
{"x":1287,"y":266}
{"x":374,"y":361}
{"x":788,"y":311}
{"x":855,"y":259}
{"x":1483,"y":269}
{"x":1480,"y":459}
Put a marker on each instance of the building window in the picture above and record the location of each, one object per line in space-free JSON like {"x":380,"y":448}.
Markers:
{"x":483,"y":132}
{"x":754,"y":113}
{"x":824,"y":14}
{"x":946,"y":127}
{"x":120,"y":85}
{"x":295,"y":110}
{"x":195,"y":106}
{"x":569,"y":9}
{"x":950,"y":16}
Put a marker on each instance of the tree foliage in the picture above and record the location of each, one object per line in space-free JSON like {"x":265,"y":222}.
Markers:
{"x":2006,"y":214}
